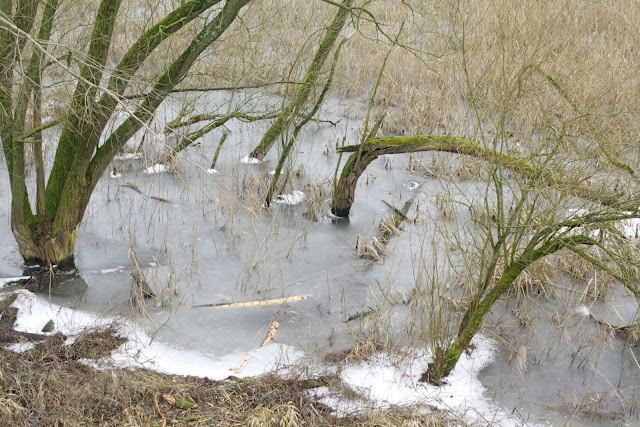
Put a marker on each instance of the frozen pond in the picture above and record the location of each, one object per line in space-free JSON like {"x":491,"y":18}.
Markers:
{"x":201,"y":238}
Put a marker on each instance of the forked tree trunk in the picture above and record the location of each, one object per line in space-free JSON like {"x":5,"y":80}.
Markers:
{"x":38,"y":246}
{"x":49,"y":235}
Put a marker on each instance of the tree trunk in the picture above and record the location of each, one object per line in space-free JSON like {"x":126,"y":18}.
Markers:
{"x":302,"y":94}
{"x":36,"y":245}
{"x":445,"y":360}
{"x":371,"y":149}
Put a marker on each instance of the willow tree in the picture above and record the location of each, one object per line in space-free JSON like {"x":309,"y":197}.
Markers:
{"x":86,"y":146}
{"x":534,"y":217}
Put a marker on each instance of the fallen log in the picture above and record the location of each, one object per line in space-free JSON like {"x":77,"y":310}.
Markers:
{"x":255,"y":303}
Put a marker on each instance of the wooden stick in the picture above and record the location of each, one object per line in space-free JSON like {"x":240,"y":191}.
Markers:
{"x":255,"y":303}
{"x":273,"y":328}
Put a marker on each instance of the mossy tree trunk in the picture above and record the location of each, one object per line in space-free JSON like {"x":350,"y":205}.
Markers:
{"x":371,"y":149}
{"x":446,"y":360}
{"x":300,"y":97}
{"x":49,"y":235}
{"x":513,"y":252}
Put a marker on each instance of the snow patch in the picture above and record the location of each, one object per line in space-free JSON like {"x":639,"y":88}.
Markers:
{"x":212,"y":171}
{"x":128,"y":156}
{"x":248,"y":160}
{"x":20,"y":347}
{"x":157,"y":168}
{"x":115,"y":174}
{"x":411,"y":185}
{"x":583,"y":310}
{"x":140,"y":350}
{"x":295,"y":198}
{"x":386,"y":380}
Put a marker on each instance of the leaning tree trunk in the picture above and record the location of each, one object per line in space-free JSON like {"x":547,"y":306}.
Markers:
{"x":446,"y":360}
{"x":371,"y":149}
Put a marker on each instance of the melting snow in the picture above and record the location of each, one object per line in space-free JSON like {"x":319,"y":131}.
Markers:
{"x":20,"y":347}
{"x":7,"y":280}
{"x":248,"y":160}
{"x":583,"y":310}
{"x":294,"y":198}
{"x":128,"y":156}
{"x":411,"y":185}
{"x":386,"y":380}
{"x":157,"y":168}
{"x":140,"y":350}
{"x":212,"y":171}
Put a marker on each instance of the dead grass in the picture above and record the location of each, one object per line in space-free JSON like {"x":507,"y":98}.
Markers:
{"x":48,"y":386}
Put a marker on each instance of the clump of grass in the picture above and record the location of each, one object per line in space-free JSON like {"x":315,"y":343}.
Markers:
{"x":445,"y":205}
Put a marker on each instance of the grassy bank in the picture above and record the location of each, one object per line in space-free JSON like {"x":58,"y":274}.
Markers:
{"x":48,"y":385}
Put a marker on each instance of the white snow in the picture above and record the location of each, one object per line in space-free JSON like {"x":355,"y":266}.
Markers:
{"x":115,"y":175}
{"x":583,"y":310}
{"x":20,"y":347}
{"x":273,"y":172}
{"x":248,"y":160}
{"x":387,"y":380}
{"x":157,"y":168}
{"x":631,"y":228}
{"x":141,"y":351}
{"x":411,"y":185}
{"x":34,"y":313}
{"x":128,"y":156}
{"x":212,"y":171}
{"x":7,"y":280}
{"x":295,"y":198}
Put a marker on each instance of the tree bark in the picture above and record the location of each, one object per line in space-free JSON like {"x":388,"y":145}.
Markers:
{"x":372,"y":148}
{"x":302,"y":94}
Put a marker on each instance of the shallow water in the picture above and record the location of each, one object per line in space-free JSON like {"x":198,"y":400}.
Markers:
{"x":210,"y":241}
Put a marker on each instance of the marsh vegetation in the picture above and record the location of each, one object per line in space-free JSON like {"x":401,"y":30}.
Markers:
{"x":385,"y":180}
